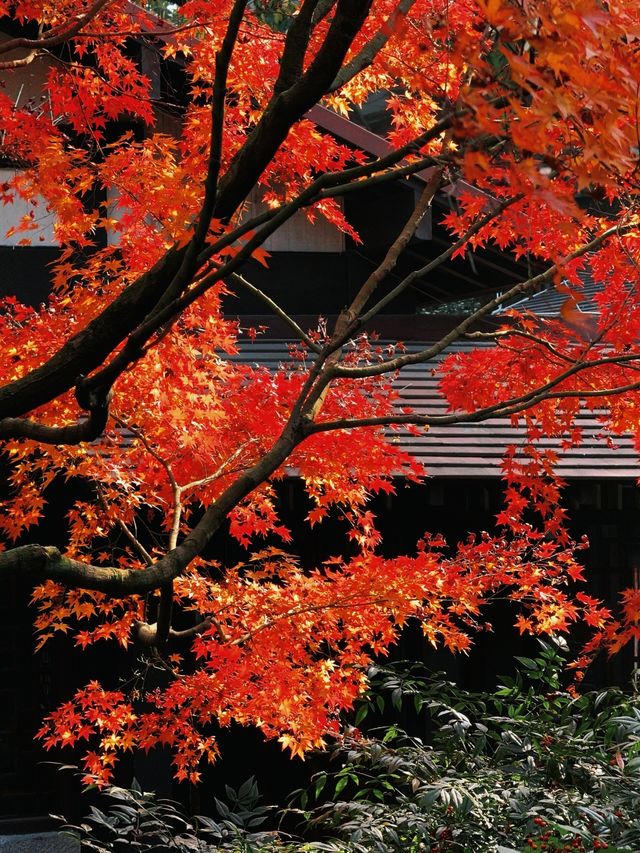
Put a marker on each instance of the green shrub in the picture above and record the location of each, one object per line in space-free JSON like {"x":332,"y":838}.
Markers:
{"x":529,"y":767}
{"x":134,"y":820}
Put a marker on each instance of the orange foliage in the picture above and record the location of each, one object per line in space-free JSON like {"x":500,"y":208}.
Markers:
{"x":537,"y":103}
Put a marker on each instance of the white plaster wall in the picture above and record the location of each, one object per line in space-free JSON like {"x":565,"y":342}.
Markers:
{"x":298,"y":234}
{"x":12,"y":214}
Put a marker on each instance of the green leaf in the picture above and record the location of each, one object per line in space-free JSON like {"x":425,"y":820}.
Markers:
{"x":222,"y":808}
{"x":341,"y":785}
{"x":361,"y":713}
{"x":321,"y":781}
{"x":396,"y":699}
{"x":529,"y":663}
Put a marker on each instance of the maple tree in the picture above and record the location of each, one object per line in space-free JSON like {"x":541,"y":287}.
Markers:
{"x":124,"y":379}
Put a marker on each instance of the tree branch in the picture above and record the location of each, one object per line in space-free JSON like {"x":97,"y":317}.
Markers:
{"x":136,"y":543}
{"x":88,"y":429}
{"x":163,"y":629}
{"x":322,"y":10}
{"x":345,"y":321}
{"x":295,"y":47}
{"x":85,"y":351}
{"x":276,"y":309}
{"x":134,"y":348}
{"x":9,"y":64}
{"x":133,"y":539}
{"x":88,"y":349}
{"x":190,"y":262}
{"x":461,"y":329}
{"x":165,"y":613}
{"x":372,"y":48}
{"x":57,"y":35}
{"x":399,"y":244}
{"x":355,"y":601}
{"x":496,"y":210}
{"x":501,"y":409}
{"x":194,"y":631}
{"x":39,"y":562}
{"x":287,"y":107}
{"x":332,"y":185}
{"x":518,"y":333}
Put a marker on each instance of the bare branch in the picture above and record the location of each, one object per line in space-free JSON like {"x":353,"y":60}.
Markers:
{"x":133,"y":539}
{"x":9,"y":64}
{"x":496,"y":210}
{"x":501,"y":409}
{"x":345,"y":321}
{"x":195,"y":630}
{"x":518,"y":333}
{"x":498,"y":410}
{"x":276,"y":309}
{"x":222,"y":469}
{"x":399,"y":244}
{"x":150,"y":449}
{"x":461,"y":329}
{"x":137,"y":544}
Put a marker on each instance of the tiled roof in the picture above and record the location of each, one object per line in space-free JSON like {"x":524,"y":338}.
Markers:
{"x":548,"y":302}
{"x":476,"y":450}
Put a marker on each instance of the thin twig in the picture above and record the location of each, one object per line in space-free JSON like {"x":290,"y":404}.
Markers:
{"x":307,"y":608}
{"x":277,"y":310}
{"x":133,"y":539}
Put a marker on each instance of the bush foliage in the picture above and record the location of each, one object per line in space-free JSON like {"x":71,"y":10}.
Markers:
{"x":532,"y":766}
